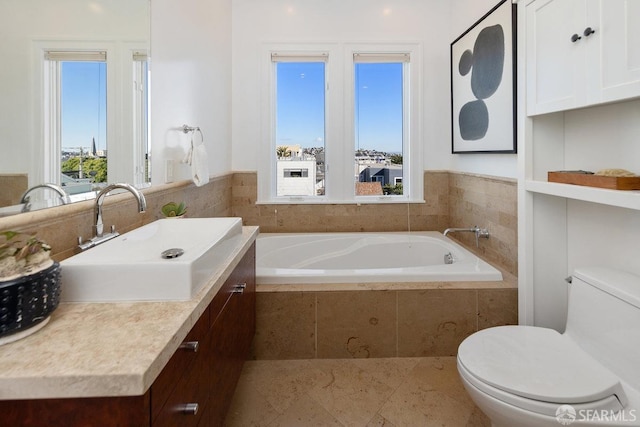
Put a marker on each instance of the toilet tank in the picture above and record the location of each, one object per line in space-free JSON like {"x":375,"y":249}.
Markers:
{"x":604,"y":319}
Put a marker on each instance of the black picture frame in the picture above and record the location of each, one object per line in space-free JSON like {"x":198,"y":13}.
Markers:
{"x":483,"y":84}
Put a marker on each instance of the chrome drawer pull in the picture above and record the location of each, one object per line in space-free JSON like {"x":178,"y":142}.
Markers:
{"x":190,"y":345}
{"x":239,"y":288}
{"x":189,"y":408}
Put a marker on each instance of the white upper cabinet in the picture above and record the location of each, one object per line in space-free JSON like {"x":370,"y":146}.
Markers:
{"x":555,"y":64}
{"x":581,"y":53}
{"x":619,"y":48}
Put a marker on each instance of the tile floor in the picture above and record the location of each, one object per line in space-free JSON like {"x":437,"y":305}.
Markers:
{"x":352,"y":393}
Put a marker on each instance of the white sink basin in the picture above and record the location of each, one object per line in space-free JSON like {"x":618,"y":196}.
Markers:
{"x":131,"y":267}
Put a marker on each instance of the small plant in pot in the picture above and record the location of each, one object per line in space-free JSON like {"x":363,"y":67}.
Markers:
{"x":173,"y":209}
{"x":29,"y":285}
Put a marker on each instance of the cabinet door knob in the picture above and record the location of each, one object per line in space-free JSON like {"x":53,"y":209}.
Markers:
{"x":575,"y":38}
{"x":190,"y":345}
{"x":588,"y":31}
{"x":189,"y":408}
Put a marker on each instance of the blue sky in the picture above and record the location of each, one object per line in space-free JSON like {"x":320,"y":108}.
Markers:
{"x":378,"y":114}
{"x":84,"y":104}
{"x":378,"y":106}
{"x":300,"y":103}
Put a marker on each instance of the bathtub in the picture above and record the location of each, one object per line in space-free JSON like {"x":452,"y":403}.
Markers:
{"x":382,"y":257}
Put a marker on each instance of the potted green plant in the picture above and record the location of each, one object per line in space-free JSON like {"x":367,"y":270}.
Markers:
{"x":173,"y":209}
{"x":29,"y":285}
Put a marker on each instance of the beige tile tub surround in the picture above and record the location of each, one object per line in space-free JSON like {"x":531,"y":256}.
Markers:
{"x":490,"y":203}
{"x":288,"y":325}
{"x":452,"y":199}
{"x":356,"y":324}
{"x":288,"y":218}
{"x":377,"y":320}
{"x":61,"y":226}
{"x":353,"y":392}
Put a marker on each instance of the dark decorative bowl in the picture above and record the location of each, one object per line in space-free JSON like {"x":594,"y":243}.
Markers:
{"x":28,"y":300}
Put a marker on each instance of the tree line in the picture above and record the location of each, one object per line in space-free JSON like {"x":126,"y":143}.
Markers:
{"x":94,"y":167}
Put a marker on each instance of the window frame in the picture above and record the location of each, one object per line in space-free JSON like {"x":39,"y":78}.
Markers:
{"x":340,"y":125}
{"x":295,"y":56}
{"x":121,"y":102}
{"x":53,"y":99}
{"x":141,"y":114}
{"x":378,"y":57}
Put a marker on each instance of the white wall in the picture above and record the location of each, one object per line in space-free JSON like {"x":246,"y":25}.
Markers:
{"x":279,"y":21}
{"x":190,"y":83}
{"x":465,"y":13}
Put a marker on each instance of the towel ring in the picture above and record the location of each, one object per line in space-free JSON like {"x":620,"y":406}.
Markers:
{"x":187,"y":128}
{"x":193,"y":129}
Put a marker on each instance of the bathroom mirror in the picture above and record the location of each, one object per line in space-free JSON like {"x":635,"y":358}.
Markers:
{"x":41,"y":41}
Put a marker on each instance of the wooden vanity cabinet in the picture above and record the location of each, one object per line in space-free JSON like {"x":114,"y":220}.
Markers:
{"x":208,"y":377}
{"x":183,"y":381}
{"x":232,"y":330}
{"x":205,"y":376}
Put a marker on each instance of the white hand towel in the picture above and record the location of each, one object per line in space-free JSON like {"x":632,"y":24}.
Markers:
{"x":199,"y":165}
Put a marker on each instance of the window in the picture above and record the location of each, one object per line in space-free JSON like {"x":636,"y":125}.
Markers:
{"x":379,"y":119}
{"x":300,"y":123}
{"x":343,"y":112}
{"x":77,"y":104}
{"x":95,"y":111}
{"x":296,"y":173}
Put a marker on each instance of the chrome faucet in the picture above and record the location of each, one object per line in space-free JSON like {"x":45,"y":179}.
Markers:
{"x":98,"y":228}
{"x":480,"y":232}
{"x":64,"y":197}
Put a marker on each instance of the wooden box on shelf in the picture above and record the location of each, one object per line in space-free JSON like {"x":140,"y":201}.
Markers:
{"x":591,"y":180}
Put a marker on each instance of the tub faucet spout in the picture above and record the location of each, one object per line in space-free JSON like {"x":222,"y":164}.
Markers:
{"x":479,"y":232}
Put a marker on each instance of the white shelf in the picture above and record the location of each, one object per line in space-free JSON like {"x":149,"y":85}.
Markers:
{"x":618,"y":198}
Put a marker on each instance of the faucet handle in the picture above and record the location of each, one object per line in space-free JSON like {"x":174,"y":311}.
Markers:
{"x":480,"y":232}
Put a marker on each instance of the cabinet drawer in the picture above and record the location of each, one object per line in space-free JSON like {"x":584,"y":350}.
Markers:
{"x":224,"y":294}
{"x":180,"y":364}
{"x":188,"y":401}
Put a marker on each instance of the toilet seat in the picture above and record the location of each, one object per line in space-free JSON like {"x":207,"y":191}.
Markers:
{"x":537,"y":369}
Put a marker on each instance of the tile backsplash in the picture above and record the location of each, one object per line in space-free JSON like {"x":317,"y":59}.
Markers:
{"x":61,"y":226}
{"x":452,"y":199}
{"x":13,"y":187}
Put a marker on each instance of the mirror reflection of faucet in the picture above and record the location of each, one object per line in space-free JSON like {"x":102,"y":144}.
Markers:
{"x":98,"y":227}
{"x":26,"y":198}
{"x":479,"y":232}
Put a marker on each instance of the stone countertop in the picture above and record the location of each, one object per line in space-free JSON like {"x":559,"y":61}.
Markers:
{"x":106,"y":349}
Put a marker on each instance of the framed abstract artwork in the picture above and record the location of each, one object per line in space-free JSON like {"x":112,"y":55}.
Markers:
{"x":483,"y":84}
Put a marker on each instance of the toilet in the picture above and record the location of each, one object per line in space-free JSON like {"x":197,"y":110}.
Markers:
{"x":526,"y":376}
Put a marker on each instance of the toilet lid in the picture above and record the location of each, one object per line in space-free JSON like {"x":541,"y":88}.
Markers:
{"x":537,"y":363}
